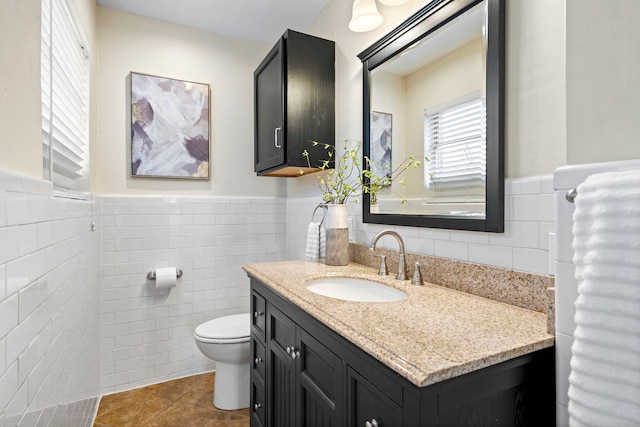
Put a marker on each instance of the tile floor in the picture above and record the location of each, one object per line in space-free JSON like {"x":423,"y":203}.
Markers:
{"x":185,"y":402}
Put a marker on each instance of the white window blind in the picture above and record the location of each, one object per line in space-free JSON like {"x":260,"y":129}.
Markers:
{"x":455,"y":143}
{"x":65,"y":99}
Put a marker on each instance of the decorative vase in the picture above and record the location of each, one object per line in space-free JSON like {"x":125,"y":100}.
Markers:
{"x":336,"y":226}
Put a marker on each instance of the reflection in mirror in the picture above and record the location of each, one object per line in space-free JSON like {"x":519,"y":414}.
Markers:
{"x":433,"y":90}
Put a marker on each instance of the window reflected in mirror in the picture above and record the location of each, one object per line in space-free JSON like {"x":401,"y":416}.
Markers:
{"x":438,"y":98}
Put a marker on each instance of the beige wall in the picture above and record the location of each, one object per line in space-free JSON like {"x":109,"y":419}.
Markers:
{"x":603,"y":80}
{"x":20,"y":108}
{"x":535,"y":88}
{"x":535,"y":91}
{"x":572,"y":91}
{"x":389,"y":95}
{"x":451,"y":77}
{"x":132,"y":43}
{"x":20,"y":143}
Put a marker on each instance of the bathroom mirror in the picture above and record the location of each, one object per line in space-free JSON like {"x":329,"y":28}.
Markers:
{"x":433,"y":88}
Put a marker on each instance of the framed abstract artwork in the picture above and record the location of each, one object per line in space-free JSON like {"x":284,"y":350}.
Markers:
{"x":381,"y":132}
{"x":170,"y":128}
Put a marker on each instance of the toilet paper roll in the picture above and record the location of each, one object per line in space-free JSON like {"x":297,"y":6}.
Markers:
{"x":166,"y":277}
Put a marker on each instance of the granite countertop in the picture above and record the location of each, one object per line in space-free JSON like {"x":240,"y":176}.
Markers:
{"x":436,"y":334}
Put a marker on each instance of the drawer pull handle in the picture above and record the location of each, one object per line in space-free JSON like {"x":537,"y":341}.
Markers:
{"x":258,"y":360}
{"x":372,"y":423}
{"x":257,"y":406}
{"x":275,"y":137}
{"x":257,"y":314}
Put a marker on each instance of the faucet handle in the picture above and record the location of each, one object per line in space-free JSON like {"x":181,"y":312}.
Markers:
{"x":417,"y":275}
{"x":382,"y":271}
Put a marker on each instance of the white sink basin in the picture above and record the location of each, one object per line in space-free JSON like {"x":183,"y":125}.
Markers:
{"x":350,"y":289}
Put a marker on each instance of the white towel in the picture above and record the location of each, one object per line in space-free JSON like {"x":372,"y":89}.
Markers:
{"x":604,"y":384}
{"x":316,"y":241}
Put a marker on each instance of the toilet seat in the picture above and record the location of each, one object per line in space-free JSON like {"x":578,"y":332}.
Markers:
{"x":225,"y":330}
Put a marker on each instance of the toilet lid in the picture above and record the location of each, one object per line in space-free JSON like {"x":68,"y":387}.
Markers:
{"x":226,"y":328}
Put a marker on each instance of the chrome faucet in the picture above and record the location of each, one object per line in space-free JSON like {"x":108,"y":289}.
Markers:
{"x":402,"y":265}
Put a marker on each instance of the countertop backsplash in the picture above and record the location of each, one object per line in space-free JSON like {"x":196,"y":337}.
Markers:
{"x":522,"y":289}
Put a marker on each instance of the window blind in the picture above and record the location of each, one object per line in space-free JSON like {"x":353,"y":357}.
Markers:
{"x":455,"y":144}
{"x":65,"y":99}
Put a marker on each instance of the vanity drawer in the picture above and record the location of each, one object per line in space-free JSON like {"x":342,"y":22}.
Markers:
{"x":259,"y":359}
{"x":258,"y":404}
{"x":258,"y":315}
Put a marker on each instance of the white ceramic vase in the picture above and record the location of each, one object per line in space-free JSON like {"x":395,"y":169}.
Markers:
{"x":336,"y":225}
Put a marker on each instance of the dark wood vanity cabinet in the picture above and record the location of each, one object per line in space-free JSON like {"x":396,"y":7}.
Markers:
{"x":294,"y":104}
{"x":311,"y":376}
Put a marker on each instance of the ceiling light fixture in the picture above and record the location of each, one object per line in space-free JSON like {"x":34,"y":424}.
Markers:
{"x":393,"y":2}
{"x":365,"y":16}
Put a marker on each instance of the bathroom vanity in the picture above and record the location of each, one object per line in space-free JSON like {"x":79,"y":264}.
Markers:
{"x":440,"y":357}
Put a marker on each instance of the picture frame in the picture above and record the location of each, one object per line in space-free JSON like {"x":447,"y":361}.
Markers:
{"x":170,"y":127}
{"x":381,"y":143}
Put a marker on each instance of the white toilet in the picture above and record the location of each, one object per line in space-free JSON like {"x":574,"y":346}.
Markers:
{"x":226,"y":340}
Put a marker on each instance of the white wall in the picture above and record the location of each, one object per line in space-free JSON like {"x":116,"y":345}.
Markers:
{"x":524,"y":246}
{"x":132,"y":43}
{"x":49,"y":305}
{"x":147,"y":333}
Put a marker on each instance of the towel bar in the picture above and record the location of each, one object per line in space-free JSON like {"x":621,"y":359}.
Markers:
{"x":571,"y":195}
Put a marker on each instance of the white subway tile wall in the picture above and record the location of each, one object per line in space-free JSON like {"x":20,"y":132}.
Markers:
{"x":147,"y":333}
{"x":566,"y":284}
{"x":524,"y":246}
{"x":79,"y":319}
{"x":49,"y":306}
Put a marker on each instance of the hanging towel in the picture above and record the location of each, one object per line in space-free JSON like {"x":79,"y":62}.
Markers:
{"x":604,"y":384}
{"x":316,"y":241}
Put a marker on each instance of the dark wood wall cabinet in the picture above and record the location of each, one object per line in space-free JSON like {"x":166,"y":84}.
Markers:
{"x":294,"y":104}
{"x":305,"y":374}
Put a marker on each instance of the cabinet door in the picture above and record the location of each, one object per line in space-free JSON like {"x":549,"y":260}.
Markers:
{"x":368,"y":406}
{"x":320,"y":383}
{"x":281,"y":384}
{"x":269,"y":110}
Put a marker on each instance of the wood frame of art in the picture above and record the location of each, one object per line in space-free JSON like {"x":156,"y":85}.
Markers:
{"x":170,"y":127}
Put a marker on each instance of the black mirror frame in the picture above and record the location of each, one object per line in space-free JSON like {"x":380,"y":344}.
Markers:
{"x":424,"y":22}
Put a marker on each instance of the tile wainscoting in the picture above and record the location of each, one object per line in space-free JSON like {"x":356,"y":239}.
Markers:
{"x":79,"y":319}
{"x":524,"y":246}
{"x":49,"y":306}
{"x":147,"y":333}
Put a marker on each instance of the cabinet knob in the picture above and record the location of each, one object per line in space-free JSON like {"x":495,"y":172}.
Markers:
{"x":257,"y":314}
{"x":291,"y":351}
{"x":257,"y":406}
{"x":372,"y":423}
{"x":257,"y":360}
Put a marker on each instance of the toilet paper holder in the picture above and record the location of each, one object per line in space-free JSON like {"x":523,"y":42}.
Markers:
{"x":152,"y":274}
